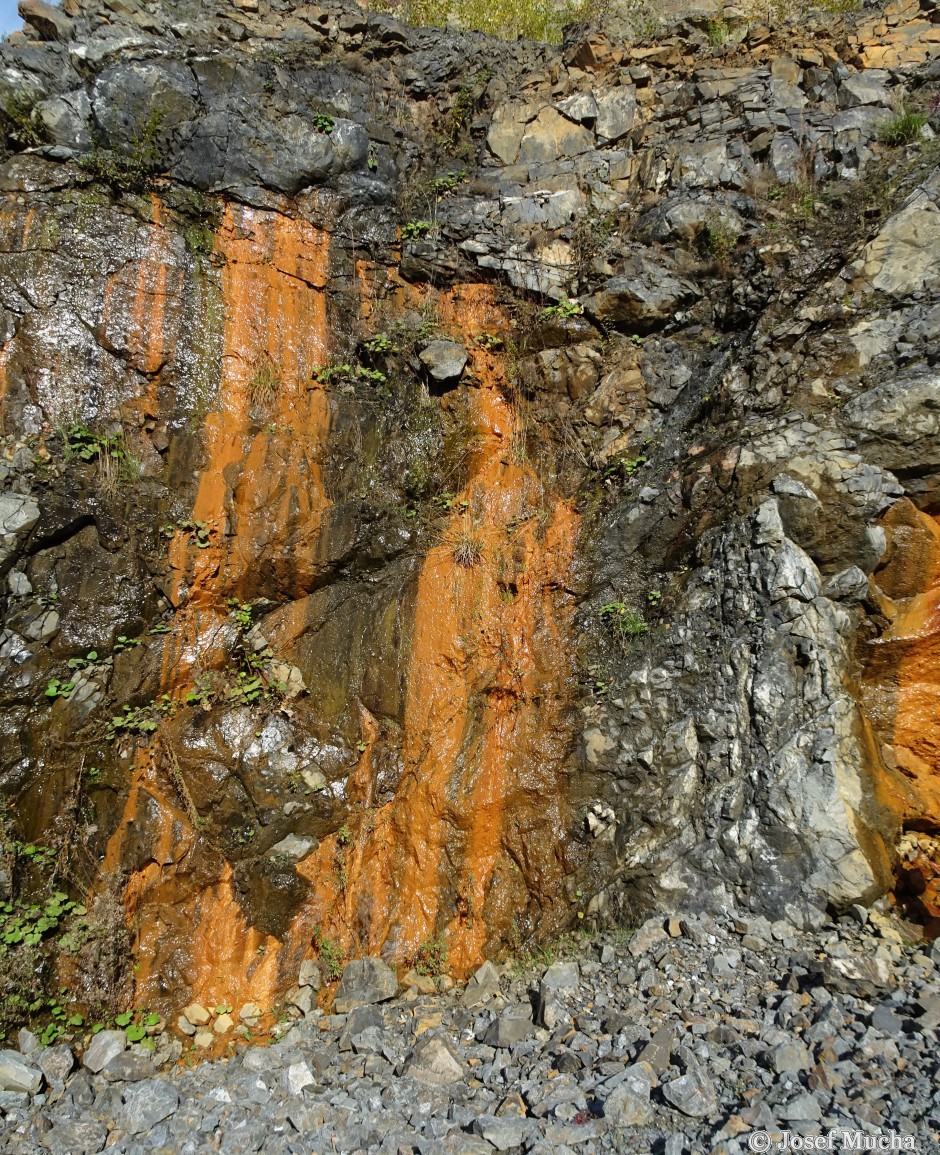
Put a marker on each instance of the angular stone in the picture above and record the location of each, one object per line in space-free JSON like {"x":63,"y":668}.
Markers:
{"x":197,"y":1014}
{"x":658,"y":1051}
{"x":628,"y":1105}
{"x":183,"y":1024}
{"x":292,"y":846}
{"x":309,"y":975}
{"x":512,"y":1027}
{"x":550,"y":136}
{"x":56,"y":1063}
{"x":78,"y":1137}
{"x":616,"y":113}
{"x":129,"y":1067}
{"x":223,"y":1024}
{"x":50,"y":22}
{"x":445,"y":360}
{"x":505,"y":1133}
{"x":692,"y":1094}
{"x":856,"y":976}
{"x":790,"y":1058}
{"x":643,"y":302}
{"x":299,"y":1076}
{"x":364,"y":981}
{"x":18,"y":1074}
{"x":102,"y":1049}
{"x":803,"y":1109}
{"x":561,"y":978}
{"x":647,"y":936}
{"x":146,"y":1104}
{"x":433,"y":1062}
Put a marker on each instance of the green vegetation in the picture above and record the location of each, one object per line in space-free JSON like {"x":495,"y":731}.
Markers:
{"x":717,"y":32}
{"x":507,"y":19}
{"x":330,"y":956}
{"x":415,"y":230}
{"x":448,"y":183}
{"x":22,"y":129}
{"x":130,"y":167}
{"x":323,"y":122}
{"x":564,"y":309}
{"x":431,"y":959}
{"x":57,"y":689}
{"x":199,"y":536}
{"x":625,"y":622}
{"x":904,"y":128}
{"x":82,"y":443}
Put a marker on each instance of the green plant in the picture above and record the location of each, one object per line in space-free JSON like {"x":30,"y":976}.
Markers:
{"x":199,"y":535}
{"x":508,"y":19}
{"x":448,"y":183}
{"x":80,"y":442}
{"x":415,"y":230}
{"x":654,"y":597}
{"x":22,"y":128}
{"x":625,"y":622}
{"x":330,"y":956}
{"x":125,"y":643}
{"x":563,"y":309}
{"x":380,"y":345}
{"x":903,"y":128}
{"x":431,"y":958}
{"x":140,"y":720}
{"x":241,"y":612}
{"x":719,"y":241}
{"x":57,"y":689}
{"x":626,"y":466}
{"x":717,"y":32}
{"x":81,"y":663}
{"x":323,"y":122}
{"x":344,"y":835}
{"x":128,"y":168}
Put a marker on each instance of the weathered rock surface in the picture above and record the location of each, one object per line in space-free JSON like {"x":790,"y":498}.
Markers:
{"x":629,"y":608}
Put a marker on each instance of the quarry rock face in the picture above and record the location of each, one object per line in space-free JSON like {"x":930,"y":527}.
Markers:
{"x":452,"y":489}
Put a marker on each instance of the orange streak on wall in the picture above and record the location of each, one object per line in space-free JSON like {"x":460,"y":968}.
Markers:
{"x":902,"y":688}
{"x":261,"y":496}
{"x":485,"y":737}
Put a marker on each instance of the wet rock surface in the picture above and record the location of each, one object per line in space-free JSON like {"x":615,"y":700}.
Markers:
{"x":661,"y":1044}
{"x":453,"y":489}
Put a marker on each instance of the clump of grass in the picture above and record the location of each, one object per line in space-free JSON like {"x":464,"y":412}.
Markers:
{"x":720,"y":242}
{"x":507,"y":19}
{"x":904,"y":128}
{"x":467,"y":550}
{"x":625,"y":621}
{"x":264,"y":385}
{"x":130,"y":167}
{"x":22,"y":128}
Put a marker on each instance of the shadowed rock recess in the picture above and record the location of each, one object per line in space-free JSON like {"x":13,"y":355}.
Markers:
{"x":452,"y":491}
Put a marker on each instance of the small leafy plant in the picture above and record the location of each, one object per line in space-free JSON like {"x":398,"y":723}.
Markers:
{"x":323,"y":122}
{"x":448,"y":183}
{"x":58,"y":689}
{"x":625,"y":621}
{"x":565,"y":309}
{"x":415,"y":230}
